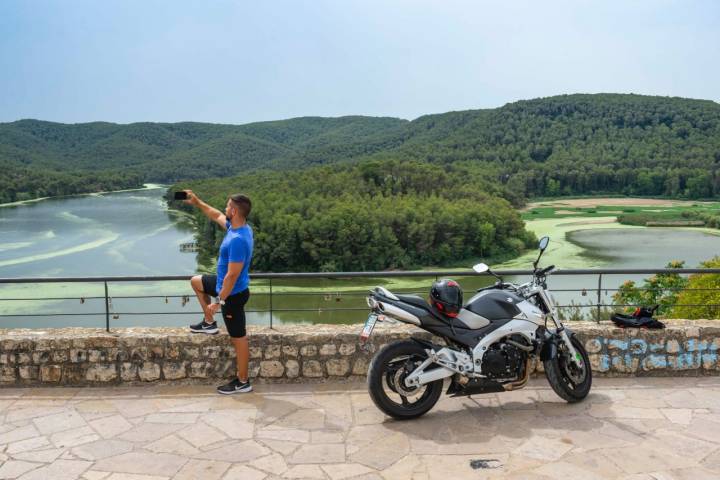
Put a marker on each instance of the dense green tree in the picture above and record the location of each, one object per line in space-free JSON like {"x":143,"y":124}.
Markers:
{"x":368,"y":217}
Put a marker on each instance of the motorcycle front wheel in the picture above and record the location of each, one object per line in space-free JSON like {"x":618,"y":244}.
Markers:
{"x":571,"y":383}
{"x":386,"y":374}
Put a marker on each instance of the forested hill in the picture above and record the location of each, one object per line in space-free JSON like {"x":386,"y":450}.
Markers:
{"x":367,"y":216}
{"x":570,"y":144}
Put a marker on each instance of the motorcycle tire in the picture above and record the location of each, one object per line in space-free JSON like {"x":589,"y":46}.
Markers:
{"x":396,"y":360}
{"x":565,"y":378}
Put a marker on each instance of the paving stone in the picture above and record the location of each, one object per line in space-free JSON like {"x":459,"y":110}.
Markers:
{"x":320,"y":453}
{"x":292,"y":435}
{"x":171,"y":444}
{"x":305,"y":472}
{"x":341,"y":471}
{"x":18,"y":434}
{"x":237,"y":424}
{"x":242,"y":472}
{"x":235,"y":452}
{"x":72,"y":438}
{"x":43,"y":456}
{"x":273,"y":463}
{"x":201,"y":434}
{"x":383,"y":452}
{"x":144,"y":463}
{"x":185,"y":418}
{"x":59,"y":470}
{"x":148,"y":432}
{"x":15,"y":468}
{"x":101,"y":449}
{"x":34,"y":443}
{"x":303,"y":419}
{"x":202,"y":469}
{"x":544,"y":448}
{"x":111,"y":426}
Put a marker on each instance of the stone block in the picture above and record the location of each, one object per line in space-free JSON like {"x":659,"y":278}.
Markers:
{"x":211,"y":352}
{"x":312,"y":368}
{"x":308,"y":350}
{"x":272,"y":351}
{"x":78,"y":356}
{"x":50,"y":373}
{"x":23,"y":358}
{"x":102,"y":373}
{"x":292,"y":368}
{"x":191,"y":353}
{"x":149,"y":372}
{"x":254,"y":368}
{"x":28,"y":372}
{"x":672,"y":346}
{"x":60,"y":356}
{"x":128,"y":372}
{"x":593,"y":346}
{"x":7,"y":375}
{"x":7,"y":358}
{"x":347,"y":349}
{"x":337,"y":367}
{"x":328,"y":349}
{"x":271,"y":369}
{"x":360,"y":367}
{"x":174,"y":370}
{"x":256,"y":352}
{"x":290,"y":351}
{"x":40,"y":357}
{"x":200,"y":369}
{"x":173,"y":352}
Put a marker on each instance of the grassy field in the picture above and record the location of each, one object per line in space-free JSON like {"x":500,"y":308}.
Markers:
{"x":628,"y":211}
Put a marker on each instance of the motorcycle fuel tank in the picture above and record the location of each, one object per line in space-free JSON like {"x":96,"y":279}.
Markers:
{"x":495,"y":304}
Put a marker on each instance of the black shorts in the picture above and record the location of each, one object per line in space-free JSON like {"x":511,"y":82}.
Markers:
{"x":233,"y":312}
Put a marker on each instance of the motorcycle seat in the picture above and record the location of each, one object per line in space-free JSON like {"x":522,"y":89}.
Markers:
{"x":420,"y":302}
{"x":414,"y":300}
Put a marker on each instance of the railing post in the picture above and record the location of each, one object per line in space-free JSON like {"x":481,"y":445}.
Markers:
{"x":107,"y":309}
{"x":598,"y":297}
{"x":271,"y":304}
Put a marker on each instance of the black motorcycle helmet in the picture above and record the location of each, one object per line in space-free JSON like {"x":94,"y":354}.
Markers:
{"x":447,"y":297}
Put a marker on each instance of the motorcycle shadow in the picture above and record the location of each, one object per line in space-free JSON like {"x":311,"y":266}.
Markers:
{"x":500,"y":422}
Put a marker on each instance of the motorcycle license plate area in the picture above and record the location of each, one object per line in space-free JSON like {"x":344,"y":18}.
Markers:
{"x":368,"y":328}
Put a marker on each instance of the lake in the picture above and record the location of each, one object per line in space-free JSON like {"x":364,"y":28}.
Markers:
{"x":134,"y":233}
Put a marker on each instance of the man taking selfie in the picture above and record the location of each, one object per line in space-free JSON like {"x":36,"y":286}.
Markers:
{"x":230,"y":285}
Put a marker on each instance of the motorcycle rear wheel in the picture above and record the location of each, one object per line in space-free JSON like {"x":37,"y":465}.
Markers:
{"x":387,"y":371}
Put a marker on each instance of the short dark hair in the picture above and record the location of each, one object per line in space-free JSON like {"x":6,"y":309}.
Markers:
{"x":243,"y":203}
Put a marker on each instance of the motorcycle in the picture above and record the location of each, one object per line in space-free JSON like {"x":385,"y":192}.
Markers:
{"x":488,"y":347}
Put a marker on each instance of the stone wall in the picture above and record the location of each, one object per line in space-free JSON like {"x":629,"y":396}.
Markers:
{"x":306,"y":353}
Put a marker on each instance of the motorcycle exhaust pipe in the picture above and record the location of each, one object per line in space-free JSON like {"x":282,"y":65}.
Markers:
{"x":398,"y":313}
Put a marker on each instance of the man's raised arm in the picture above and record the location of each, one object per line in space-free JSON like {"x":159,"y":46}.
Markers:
{"x":212,"y":213}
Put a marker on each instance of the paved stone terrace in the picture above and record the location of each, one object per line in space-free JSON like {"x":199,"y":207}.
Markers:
{"x":633,"y":429}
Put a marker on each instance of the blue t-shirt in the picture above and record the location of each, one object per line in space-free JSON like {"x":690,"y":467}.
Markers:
{"x":237,"y":246}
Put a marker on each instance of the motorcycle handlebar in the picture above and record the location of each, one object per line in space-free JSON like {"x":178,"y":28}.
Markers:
{"x":545,"y":270}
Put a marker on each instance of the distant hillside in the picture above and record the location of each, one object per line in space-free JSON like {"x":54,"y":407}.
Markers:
{"x":564,"y":145}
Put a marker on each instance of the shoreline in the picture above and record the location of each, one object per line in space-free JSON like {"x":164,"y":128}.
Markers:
{"x":146,"y":186}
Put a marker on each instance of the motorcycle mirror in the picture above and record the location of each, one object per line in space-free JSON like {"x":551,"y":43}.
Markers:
{"x":480,"y":268}
{"x":544,"y":242}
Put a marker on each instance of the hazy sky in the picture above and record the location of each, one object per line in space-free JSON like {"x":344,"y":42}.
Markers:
{"x":241,"y":61}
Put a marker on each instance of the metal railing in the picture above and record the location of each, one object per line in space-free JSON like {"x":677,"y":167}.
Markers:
{"x":598,"y":289}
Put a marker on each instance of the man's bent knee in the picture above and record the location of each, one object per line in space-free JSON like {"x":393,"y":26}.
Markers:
{"x":196,"y":283}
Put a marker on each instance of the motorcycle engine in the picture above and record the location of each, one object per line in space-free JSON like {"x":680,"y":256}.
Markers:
{"x":502,"y":361}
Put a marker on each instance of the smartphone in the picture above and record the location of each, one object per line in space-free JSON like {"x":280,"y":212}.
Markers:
{"x":181,"y":195}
